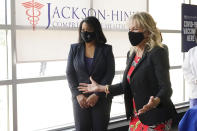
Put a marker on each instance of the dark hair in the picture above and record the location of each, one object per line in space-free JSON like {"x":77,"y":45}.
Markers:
{"x":94,"y":23}
{"x":196,"y":35}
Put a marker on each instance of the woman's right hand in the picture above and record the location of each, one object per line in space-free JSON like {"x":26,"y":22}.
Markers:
{"x":82,"y":101}
{"x":94,"y":87}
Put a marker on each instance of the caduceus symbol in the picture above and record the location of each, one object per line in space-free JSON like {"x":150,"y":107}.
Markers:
{"x":33,"y":12}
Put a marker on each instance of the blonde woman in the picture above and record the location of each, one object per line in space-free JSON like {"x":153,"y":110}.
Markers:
{"x":146,"y":82}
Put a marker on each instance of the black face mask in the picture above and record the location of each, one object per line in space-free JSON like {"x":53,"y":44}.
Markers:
{"x":135,"y":37}
{"x":88,"y":36}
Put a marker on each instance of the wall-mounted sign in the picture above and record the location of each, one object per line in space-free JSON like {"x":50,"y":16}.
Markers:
{"x":189,"y":23}
{"x":49,"y":45}
{"x":69,"y":13}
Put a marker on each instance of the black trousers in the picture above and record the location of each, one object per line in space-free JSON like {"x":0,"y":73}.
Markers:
{"x":94,"y":118}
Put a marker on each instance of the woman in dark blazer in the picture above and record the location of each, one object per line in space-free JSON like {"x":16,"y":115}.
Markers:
{"x":146,"y":81}
{"x":90,"y":57}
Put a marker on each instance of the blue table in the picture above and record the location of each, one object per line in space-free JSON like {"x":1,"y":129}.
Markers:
{"x":189,"y":120}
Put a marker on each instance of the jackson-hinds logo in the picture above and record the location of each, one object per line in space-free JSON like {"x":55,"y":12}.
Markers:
{"x":33,"y":12}
{"x":68,"y":16}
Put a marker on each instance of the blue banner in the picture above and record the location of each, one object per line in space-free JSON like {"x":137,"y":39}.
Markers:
{"x":189,"y":23}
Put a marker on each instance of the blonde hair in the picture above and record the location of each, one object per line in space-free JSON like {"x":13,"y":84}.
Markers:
{"x":146,"y":22}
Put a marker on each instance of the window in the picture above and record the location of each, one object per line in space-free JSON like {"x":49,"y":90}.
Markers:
{"x":45,"y":43}
{"x":166,"y":13}
{"x":118,"y":107}
{"x":2,"y":12}
{"x":4,"y":108}
{"x":115,"y":16}
{"x":5,"y":54}
{"x":120,"y":43}
{"x":5,"y":12}
{"x":194,"y":2}
{"x":41,"y":69}
{"x":8,"y":14}
{"x":44,"y":105}
{"x":177,"y":83}
{"x":173,"y":41}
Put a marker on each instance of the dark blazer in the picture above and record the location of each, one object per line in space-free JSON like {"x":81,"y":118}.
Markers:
{"x":149,"y":78}
{"x":103,"y":67}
